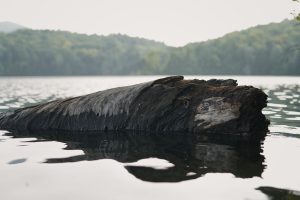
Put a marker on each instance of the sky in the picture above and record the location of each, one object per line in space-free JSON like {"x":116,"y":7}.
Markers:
{"x":174,"y":22}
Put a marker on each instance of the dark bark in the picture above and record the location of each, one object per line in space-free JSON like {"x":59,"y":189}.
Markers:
{"x":168,"y":104}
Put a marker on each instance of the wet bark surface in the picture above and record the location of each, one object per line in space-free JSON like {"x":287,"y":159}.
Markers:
{"x":168,"y":104}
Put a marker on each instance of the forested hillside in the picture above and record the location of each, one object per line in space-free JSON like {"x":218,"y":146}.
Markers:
{"x":271,"y":49}
{"x":263,"y":50}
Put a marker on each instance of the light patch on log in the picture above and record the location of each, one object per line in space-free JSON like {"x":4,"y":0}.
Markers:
{"x":215,"y":110}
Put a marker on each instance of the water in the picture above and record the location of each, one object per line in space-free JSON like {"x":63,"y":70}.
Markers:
{"x":130,"y":166}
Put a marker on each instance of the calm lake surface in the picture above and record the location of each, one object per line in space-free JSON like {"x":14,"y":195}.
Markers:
{"x":129,"y":166}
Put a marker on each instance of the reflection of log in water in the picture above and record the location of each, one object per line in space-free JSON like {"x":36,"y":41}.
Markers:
{"x":192,"y":156}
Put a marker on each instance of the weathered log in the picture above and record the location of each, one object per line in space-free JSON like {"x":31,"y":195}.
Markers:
{"x":168,"y":104}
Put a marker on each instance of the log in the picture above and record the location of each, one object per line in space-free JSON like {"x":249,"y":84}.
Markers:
{"x":167,"y":104}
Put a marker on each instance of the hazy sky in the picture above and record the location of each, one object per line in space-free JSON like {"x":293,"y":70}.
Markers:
{"x":175,"y":22}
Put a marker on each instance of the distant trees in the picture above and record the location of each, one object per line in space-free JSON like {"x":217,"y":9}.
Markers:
{"x":259,"y":50}
{"x":30,"y":52}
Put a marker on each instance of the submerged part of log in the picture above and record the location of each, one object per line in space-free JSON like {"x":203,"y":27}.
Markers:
{"x":168,"y":104}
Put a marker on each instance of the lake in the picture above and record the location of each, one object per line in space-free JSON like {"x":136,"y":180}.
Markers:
{"x":144,"y":166}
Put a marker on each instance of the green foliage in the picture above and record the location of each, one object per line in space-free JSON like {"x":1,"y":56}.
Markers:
{"x":263,"y":50}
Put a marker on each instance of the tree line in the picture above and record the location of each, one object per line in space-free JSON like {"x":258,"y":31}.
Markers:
{"x":262,"y":50}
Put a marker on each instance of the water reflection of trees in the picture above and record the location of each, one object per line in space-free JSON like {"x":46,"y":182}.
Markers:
{"x":192,"y":156}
